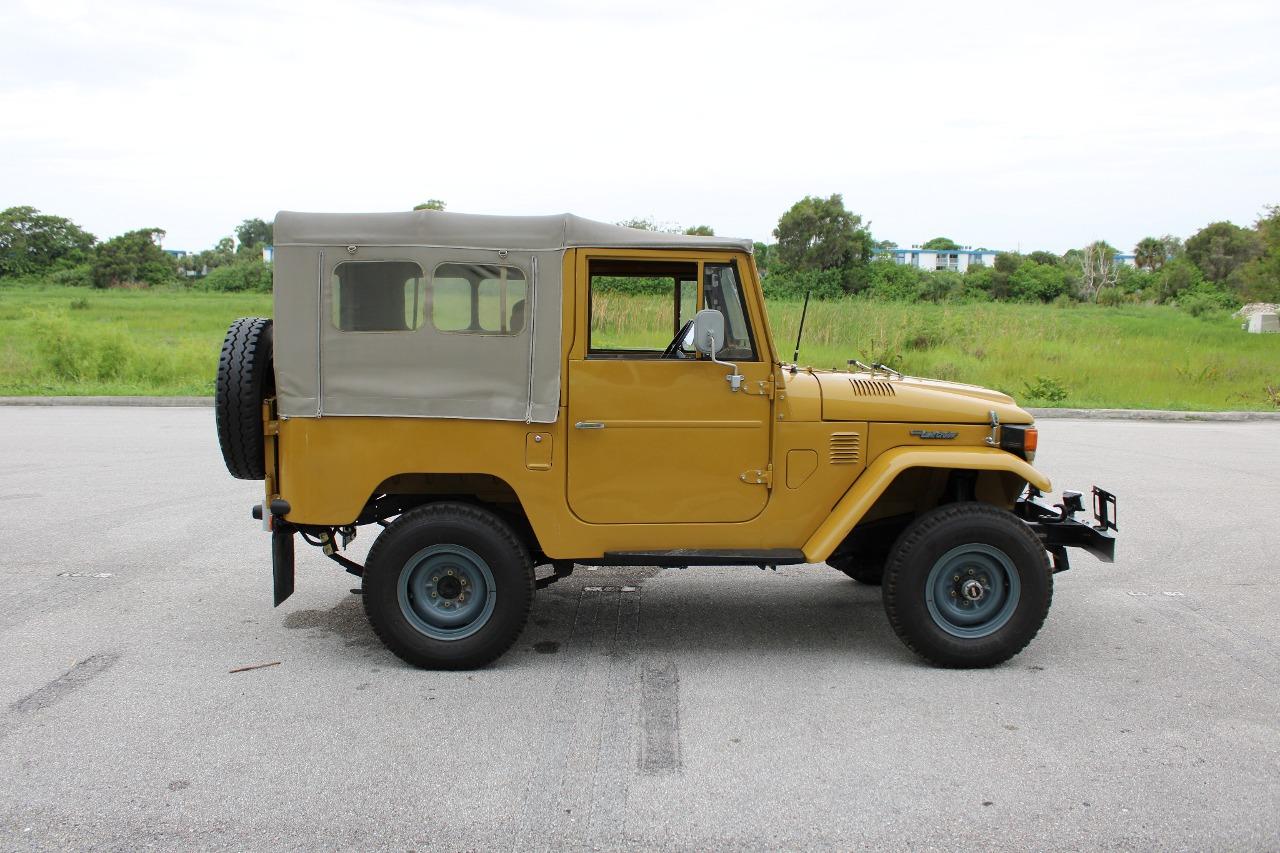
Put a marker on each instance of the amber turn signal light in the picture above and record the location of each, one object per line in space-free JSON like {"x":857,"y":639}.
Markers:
{"x":1020,"y":439}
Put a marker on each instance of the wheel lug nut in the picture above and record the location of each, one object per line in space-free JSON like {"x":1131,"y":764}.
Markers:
{"x":451,"y":573}
{"x":953,"y":593}
{"x":433,"y":595}
{"x":970,"y":573}
{"x":956,"y":578}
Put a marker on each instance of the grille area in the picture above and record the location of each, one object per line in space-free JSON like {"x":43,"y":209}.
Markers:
{"x":872,"y":388}
{"x":845,"y":448}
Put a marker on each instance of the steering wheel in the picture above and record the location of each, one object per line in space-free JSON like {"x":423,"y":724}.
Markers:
{"x":674,"y":349}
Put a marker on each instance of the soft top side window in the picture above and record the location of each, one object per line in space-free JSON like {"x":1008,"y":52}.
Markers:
{"x":377,"y":296}
{"x":478,"y":299}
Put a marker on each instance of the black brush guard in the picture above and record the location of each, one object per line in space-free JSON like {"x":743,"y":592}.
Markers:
{"x":1058,"y":529}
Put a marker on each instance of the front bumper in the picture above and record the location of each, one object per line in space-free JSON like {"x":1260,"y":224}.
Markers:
{"x":1058,"y":529}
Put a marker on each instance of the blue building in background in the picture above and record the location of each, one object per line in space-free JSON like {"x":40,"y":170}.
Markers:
{"x":956,"y":260}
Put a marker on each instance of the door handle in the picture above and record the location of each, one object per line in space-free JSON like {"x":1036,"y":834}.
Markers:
{"x":589,"y":425}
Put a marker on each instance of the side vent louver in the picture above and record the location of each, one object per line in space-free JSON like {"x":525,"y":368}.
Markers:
{"x":871,"y":388}
{"x":845,"y":448}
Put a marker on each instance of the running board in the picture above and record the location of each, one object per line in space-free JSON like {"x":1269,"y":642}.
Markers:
{"x":690,"y":557}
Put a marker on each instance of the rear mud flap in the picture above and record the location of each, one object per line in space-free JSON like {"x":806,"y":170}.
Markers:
{"x":282,"y":562}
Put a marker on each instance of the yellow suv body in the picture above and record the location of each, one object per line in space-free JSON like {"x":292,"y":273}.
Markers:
{"x":503,"y":393}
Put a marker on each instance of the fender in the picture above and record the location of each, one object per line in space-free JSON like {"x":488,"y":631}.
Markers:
{"x":864,"y":492}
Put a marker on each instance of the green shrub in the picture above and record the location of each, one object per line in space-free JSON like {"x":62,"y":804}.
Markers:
{"x":1111,"y":297}
{"x":78,"y":276}
{"x":1132,"y":281}
{"x":784,"y":283}
{"x":985,"y":283}
{"x":79,"y":354}
{"x":133,"y":258}
{"x":1204,"y":299}
{"x":1032,"y":282}
{"x":941,"y":286}
{"x":624,"y":284}
{"x":252,"y":275}
{"x":1044,"y":389}
{"x":1174,"y":278}
{"x":895,"y":284}
{"x":80,"y":304}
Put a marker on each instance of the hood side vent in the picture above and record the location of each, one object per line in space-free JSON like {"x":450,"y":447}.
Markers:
{"x":872,"y":388}
{"x":845,"y":448}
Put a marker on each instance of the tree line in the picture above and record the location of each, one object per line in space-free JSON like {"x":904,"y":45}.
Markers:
{"x":823,"y":248}
{"x":820,"y":247}
{"x":37,"y":245}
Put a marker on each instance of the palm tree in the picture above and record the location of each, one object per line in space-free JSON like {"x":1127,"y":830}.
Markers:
{"x":1149,"y":254}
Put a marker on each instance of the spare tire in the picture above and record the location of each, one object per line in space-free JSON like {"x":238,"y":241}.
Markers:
{"x":245,"y":378}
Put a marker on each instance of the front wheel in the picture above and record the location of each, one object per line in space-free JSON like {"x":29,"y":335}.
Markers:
{"x":448,"y":586}
{"x":967,"y":585}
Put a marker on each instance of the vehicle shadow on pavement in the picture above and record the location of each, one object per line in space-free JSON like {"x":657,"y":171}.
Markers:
{"x":669,"y":614}
{"x":345,"y":620}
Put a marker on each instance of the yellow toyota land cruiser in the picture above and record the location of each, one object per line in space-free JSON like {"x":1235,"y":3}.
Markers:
{"x":462,"y":381}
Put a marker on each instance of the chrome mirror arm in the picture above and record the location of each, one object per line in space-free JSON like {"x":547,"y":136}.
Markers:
{"x":734,"y":379}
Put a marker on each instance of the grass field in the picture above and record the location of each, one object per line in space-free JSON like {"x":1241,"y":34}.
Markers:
{"x":70,"y":341}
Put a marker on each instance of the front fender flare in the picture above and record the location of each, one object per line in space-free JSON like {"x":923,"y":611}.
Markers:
{"x":864,"y":492}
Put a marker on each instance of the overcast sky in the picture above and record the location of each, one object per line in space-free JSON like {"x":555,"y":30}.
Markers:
{"x":1008,"y":125}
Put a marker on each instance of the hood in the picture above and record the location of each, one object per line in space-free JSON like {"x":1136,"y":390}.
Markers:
{"x":878,"y":397}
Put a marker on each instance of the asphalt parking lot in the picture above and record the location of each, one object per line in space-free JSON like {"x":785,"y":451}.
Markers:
{"x":698,"y":708}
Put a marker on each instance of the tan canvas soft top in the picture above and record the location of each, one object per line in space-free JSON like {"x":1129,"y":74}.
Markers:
{"x":401,"y":362}
{"x":470,"y":230}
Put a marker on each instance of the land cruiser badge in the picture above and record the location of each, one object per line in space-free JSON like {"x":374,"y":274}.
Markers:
{"x":933,"y":433}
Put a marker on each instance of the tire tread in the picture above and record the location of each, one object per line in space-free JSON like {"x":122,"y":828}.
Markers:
{"x":911,"y":540}
{"x":450,"y":510}
{"x":244,"y":377}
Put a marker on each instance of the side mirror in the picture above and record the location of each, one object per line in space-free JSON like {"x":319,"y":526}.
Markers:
{"x":708,"y":331}
{"x":708,"y":337}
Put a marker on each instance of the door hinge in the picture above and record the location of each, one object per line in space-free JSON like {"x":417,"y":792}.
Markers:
{"x":761,"y":387}
{"x":758,"y":476}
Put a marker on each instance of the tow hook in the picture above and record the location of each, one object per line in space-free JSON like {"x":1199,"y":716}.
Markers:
{"x":1072,"y":502}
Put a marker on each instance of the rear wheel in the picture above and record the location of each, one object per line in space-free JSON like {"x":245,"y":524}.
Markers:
{"x":967,"y":585}
{"x":448,"y":586}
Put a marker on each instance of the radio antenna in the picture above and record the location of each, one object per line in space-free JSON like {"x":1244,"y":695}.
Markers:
{"x":795,"y":359}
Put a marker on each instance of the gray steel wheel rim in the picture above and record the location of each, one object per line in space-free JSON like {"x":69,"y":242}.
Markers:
{"x":989,"y":567}
{"x":463,"y":587}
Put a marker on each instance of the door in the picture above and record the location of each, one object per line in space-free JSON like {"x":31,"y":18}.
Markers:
{"x":656,"y":433}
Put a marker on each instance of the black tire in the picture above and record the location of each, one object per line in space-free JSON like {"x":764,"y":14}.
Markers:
{"x":246,"y":377}
{"x":972,"y":543}
{"x":461,"y":533}
{"x":863,"y":569}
